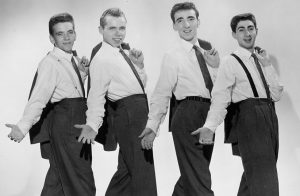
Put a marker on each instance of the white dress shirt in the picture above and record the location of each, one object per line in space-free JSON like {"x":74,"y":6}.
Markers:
{"x":181,"y":74}
{"x":53,"y":84}
{"x":233,"y":85}
{"x":112,"y":76}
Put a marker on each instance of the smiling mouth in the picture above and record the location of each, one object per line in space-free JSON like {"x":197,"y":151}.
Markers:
{"x":248,"y":40}
{"x":187,"y":31}
{"x":117,"y":39}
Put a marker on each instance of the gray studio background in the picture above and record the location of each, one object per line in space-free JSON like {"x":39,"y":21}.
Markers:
{"x":24,"y":41}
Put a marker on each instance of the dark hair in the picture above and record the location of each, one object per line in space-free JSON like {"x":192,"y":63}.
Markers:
{"x":115,"y":12}
{"x":58,"y":18}
{"x":183,"y":6}
{"x":241,"y":17}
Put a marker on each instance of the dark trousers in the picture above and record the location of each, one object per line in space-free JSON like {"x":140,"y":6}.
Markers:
{"x":258,"y":147}
{"x":135,"y":175}
{"x":193,"y":158}
{"x":70,"y":172}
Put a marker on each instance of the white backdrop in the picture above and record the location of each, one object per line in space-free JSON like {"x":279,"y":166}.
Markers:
{"x":24,"y":41}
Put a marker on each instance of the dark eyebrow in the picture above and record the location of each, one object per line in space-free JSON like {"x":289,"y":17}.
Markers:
{"x":180,"y":18}
{"x":191,"y":17}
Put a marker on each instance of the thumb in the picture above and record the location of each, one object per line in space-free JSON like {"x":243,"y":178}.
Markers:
{"x":79,"y":126}
{"x":9,"y":125}
{"x":143,"y":133}
{"x":195,"y":132}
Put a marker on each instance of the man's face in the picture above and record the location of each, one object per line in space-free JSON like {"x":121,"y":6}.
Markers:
{"x":245,"y":34}
{"x":114,"y":30}
{"x":63,"y":36}
{"x":186,"y":24}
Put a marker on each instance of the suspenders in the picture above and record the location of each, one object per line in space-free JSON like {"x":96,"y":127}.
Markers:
{"x":231,"y":117}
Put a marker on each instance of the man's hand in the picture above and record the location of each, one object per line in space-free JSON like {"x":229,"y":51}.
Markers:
{"x":87,"y":134}
{"x":15,"y":133}
{"x":83,"y":64}
{"x":264,"y":58}
{"x":212,"y":58}
{"x":206,"y":135}
{"x":148,"y":136}
{"x":137,"y":57}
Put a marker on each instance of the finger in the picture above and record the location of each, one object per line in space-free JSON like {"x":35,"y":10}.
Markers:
{"x":143,"y":144}
{"x":88,"y":141}
{"x":93,"y":141}
{"x":9,"y":135}
{"x":148,"y":145}
{"x":80,"y":138}
{"x":215,"y":52}
{"x":83,"y":140}
{"x":195,"y":132}
{"x":212,"y":51}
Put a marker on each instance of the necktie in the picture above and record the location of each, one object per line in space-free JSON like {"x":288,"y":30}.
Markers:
{"x":78,"y":74}
{"x":132,"y":68}
{"x":261,"y":75}
{"x":204,"y":69}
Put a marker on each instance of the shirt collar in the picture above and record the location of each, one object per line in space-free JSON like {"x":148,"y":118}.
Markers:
{"x":243,"y":52}
{"x":62,"y":54}
{"x":187,"y":46}
{"x":109,"y":47}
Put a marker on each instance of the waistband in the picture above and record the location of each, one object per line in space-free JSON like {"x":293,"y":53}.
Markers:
{"x":197,"y":98}
{"x":127,"y":100}
{"x":255,"y":101}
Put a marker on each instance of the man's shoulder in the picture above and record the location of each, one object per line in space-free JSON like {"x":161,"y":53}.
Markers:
{"x":49,"y":61}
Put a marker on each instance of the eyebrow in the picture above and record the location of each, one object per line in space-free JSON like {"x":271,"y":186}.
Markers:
{"x":180,"y":18}
{"x":191,"y":17}
{"x":242,"y":27}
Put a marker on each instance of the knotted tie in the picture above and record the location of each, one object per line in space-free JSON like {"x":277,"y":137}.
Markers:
{"x":204,"y":69}
{"x":261,"y":75}
{"x":78,"y":74}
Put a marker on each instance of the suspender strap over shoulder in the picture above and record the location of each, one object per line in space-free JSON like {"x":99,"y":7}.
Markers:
{"x":247,"y":73}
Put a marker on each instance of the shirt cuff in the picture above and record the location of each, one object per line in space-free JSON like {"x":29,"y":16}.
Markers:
{"x":211,"y":126}
{"x":24,"y":127}
{"x":153,"y":126}
{"x":94,"y":126}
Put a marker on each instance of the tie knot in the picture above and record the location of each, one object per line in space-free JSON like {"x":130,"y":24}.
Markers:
{"x":195,"y":47}
{"x":74,"y":52}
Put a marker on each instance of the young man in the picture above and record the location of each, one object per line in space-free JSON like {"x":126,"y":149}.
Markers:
{"x":59,"y":85}
{"x":248,"y":80}
{"x":121,"y":79}
{"x":187,"y":71}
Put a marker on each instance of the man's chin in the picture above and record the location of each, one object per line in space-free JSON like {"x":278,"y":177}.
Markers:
{"x":188,"y":39}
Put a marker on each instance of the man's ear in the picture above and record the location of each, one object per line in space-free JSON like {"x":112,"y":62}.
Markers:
{"x":233,"y":34}
{"x":100,"y":30}
{"x":52,"y":39}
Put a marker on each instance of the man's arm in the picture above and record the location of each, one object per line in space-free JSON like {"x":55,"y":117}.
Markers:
{"x":221,"y":97}
{"x":100,"y":79}
{"x":41,"y":94}
{"x":160,"y":100}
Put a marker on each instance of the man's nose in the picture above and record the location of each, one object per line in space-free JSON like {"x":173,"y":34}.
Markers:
{"x":186,"y":23}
